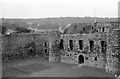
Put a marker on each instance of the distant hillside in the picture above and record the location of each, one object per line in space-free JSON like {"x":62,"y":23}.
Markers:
{"x":55,"y":23}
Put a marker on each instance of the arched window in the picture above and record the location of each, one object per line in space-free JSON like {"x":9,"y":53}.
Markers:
{"x":81,"y":59}
{"x":45,"y":50}
{"x":103,"y":46}
{"x":80,"y":44}
{"x":103,"y":29}
{"x":95,"y":58}
{"x":92,"y":28}
{"x":45,"y":44}
{"x":61,"y":44}
{"x":71,"y":44}
{"x":91,"y":45}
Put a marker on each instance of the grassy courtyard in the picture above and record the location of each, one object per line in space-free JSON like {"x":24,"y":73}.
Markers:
{"x":38,"y":68}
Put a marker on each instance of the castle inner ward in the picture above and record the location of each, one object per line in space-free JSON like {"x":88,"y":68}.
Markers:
{"x":100,"y":50}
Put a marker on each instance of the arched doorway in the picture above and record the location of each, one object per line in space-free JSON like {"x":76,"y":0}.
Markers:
{"x":81,"y":59}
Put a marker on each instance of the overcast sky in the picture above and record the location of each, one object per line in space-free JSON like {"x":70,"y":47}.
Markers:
{"x":58,"y":8}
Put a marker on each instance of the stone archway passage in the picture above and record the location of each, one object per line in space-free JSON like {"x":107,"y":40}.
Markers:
{"x":81,"y":59}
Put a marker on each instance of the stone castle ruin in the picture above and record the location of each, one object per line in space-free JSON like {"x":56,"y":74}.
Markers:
{"x":100,"y":48}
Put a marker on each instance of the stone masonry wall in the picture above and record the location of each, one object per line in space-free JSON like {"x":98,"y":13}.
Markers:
{"x":21,"y":44}
{"x":54,"y":54}
{"x":71,"y":56}
{"x":113,"y":53}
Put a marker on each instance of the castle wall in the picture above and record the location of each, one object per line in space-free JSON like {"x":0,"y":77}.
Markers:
{"x":71,"y":56}
{"x":113,"y":53}
{"x":54,"y":54}
{"x":42,"y":44}
{"x":17,"y":44}
{"x":50,"y":42}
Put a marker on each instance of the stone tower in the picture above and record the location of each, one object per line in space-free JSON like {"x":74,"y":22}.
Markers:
{"x":113,"y":52}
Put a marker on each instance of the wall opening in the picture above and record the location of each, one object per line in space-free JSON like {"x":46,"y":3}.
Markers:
{"x":86,"y":58}
{"x":97,"y":30}
{"x":92,"y":28}
{"x":103,"y":29}
{"x":81,"y":59}
{"x":83,"y":29}
{"x":80,"y":44}
{"x":31,"y":51}
{"x":95,"y":58}
{"x":46,"y":51}
{"x":61,"y":44}
{"x":103,"y":46}
{"x":46,"y":54}
{"x":34,"y":37}
{"x":71,"y":44}
{"x":45,"y":44}
{"x":91,"y":45}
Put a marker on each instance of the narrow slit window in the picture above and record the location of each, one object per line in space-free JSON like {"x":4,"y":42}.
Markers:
{"x":91,"y":45}
{"x":34,"y":37}
{"x":45,"y":50}
{"x":80,"y":44}
{"x":103,"y":29}
{"x":61,"y":44}
{"x":95,"y":58}
{"x":45,"y":44}
{"x":71,"y":44}
{"x":86,"y":58}
{"x":103,"y":46}
{"x":92,"y":28}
